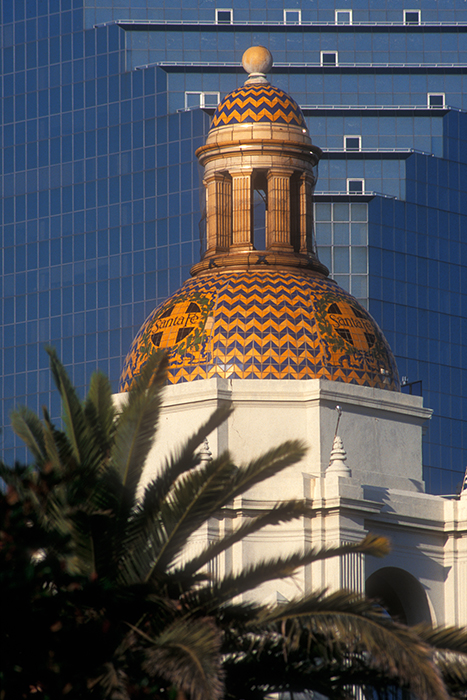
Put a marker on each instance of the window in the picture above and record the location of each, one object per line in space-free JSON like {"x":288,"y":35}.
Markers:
{"x":292,"y":16}
{"x":192,"y":100}
{"x":411,"y":16}
{"x":352,"y":143}
{"x":435,"y":99}
{"x":355,"y":186}
{"x":224,"y":16}
{"x":329,"y":58}
{"x":342,"y":238}
{"x":201,"y":99}
{"x":343,"y":16}
{"x":210,"y":99}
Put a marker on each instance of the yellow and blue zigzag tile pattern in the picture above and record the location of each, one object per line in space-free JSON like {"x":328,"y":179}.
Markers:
{"x":264,"y":325}
{"x":257,"y":104}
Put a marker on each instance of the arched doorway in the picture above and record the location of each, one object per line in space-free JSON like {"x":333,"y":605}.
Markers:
{"x":400,"y":594}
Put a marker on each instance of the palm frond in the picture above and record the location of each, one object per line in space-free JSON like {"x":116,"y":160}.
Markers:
{"x":112,"y":681}
{"x":99,"y":410}
{"x":394,"y":651}
{"x":136,"y":555}
{"x":145,"y":519}
{"x":280,"y":513}
{"x":28,"y":427}
{"x":79,"y":556}
{"x":58,"y":449}
{"x":453,"y":668}
{"x":198,"y":495}
{"x":277,"y":568}
{"x":443,"y":638}
{"x":195,"y":497}
{"x":345,"y":624}
{"x":187,"y":654}
{"x":450,"y":645}
{"x":137,"y":423}
{"x":265,"y":466}
{"x":341,"y":601}
{"x":181,"y":461}
{"x":73,"y":414}
{"x":257,"y":671}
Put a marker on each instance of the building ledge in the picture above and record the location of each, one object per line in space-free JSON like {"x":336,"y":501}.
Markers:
{"x":317,"y":25}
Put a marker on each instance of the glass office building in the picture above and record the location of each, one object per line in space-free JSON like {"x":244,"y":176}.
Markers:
{"x":103,"y":105}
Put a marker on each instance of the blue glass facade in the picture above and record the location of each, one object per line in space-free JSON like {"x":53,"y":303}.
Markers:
{"x":103,"y":106}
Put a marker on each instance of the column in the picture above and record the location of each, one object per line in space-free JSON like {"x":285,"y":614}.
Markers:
{"x":218,"y":212}
{"x":278,"y":232}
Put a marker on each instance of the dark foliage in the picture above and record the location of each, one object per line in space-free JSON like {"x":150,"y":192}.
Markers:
{"x":97,"y":602}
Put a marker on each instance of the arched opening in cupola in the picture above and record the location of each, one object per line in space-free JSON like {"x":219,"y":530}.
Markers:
{"x":259,"y":209}
{"x":295,"y":184}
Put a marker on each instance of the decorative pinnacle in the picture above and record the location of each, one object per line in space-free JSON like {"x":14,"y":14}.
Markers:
{"x":205,"y":453}
{"x":257,"y":61}
{"x":338,"y":457}
{"x":337,"y":463}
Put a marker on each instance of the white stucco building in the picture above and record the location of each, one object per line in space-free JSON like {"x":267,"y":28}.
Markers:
{"x":261,"y":325}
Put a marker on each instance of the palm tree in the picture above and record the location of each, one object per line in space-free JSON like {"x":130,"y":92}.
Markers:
{"x":98,"y":602}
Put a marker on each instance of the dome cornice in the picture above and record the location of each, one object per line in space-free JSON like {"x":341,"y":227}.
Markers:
{"x":252,"y":260}
{"x":258,"y":147}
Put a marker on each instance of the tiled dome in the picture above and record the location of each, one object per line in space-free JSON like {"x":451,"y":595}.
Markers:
{"x":258,"y":103}
{"x":264,"y":325}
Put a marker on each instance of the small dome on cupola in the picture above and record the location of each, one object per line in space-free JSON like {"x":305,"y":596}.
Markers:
{"x":257,"y":101}
{"x":260,"y":304}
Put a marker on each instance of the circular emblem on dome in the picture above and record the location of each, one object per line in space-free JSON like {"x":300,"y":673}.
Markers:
{"x":175,"y":323}
{"x":351,"y":324}
{"x":180,"y":326}
{"x":350,"y":332}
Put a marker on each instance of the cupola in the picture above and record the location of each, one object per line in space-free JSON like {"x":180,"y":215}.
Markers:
{"x":259,"y":146}
{"x":259,"y":304}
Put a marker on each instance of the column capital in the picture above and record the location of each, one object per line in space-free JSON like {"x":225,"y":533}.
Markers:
{"x":214,"y":177}
{"x":234,"y":172}
{"x":280,"y":172}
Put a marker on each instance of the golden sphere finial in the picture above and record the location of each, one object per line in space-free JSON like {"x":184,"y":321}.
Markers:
{"x":257,"y":60}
